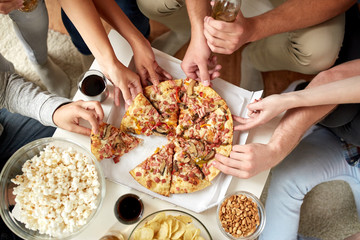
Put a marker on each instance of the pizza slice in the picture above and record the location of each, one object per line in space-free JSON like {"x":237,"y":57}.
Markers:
{"x":204,"y":115}
{"x":165,"y":98}
{"x":216,"y":127}
{"x":141,"y":117}
{"x":155,"y":172}
{"x":187,"y":176}
{"x":202,"y":154}
{"x":110,"y":142}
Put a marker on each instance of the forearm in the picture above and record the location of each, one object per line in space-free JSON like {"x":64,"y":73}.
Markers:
{"x":112,"y":14}
{"x":197,"y":10}
{"x":87,"y":21}
{"x":292,"y":128}
{"x":28,"y":99}
{"x":296,"y":14}
{"x":338,"y":85}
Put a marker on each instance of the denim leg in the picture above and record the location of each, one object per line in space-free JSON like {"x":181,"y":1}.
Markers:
{"x":18,"y":131}
{"x":32,"y":29}
{"x":131,"y":10}
{"x":317,"y":159}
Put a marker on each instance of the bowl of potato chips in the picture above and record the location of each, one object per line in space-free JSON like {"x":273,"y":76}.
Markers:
{"x":170,"y":224}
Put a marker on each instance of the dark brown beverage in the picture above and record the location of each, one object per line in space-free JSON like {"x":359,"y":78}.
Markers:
{"x":92,"y":85}
{"x":129,"y":208}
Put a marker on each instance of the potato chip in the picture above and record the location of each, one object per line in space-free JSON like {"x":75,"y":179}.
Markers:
{"x":144,"y":233}
{"x":163,"y":231}
{"x":155,"y":226}
{"x":184,"y":219}
{"x":180,"y":231}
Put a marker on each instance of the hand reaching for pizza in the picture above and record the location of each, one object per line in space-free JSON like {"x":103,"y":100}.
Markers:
{"x":198,"y":63}
{"x":261,"y":111}
{"x":126,"y":82}
{"x":248,"y":160}
{"x":146,"y":65}
{"x":68,"y":116}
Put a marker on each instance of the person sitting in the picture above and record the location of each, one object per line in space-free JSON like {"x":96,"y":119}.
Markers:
{"x":330,"y":152}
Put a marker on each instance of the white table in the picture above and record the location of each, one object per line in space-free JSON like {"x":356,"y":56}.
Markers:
{"x":106,"y":218}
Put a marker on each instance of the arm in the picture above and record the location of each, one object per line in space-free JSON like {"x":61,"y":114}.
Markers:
{"x":226,"y":37}
{"x":250,"y":159}
{"x":27,"y":99}
{"x":197,"y":59}
{"x":87,"y":21}
{"x":144,"y":57}
{"x":328,"y":87}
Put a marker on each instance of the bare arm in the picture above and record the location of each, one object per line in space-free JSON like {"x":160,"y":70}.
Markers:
{"x":248,"y":160}
{"x":198,"y":63}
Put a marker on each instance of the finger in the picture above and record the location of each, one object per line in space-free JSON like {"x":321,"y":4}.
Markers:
{"x":152,"y":74}
{"x":91,"y":118}
{"x":222,"y":163}
{"x":97,"y":108}
{"x":135,"y":89}
{"x":165,"y":74}
{"x":143,"y":77}
{"x":240,"y":119}
{"x":204,"y":74}
{"x":81,"y":130}
{"x":117,"y":96}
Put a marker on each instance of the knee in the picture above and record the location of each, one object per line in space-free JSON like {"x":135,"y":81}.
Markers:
{"x":316,"y":48}
{"x":159,"y":8}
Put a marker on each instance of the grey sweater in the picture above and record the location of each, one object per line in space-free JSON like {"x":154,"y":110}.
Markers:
{"x":26,"y":98}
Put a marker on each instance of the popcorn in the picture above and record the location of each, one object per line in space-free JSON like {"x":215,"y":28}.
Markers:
{"x":57,"y":191}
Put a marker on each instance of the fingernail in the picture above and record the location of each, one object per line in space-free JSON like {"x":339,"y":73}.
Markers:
{"x":207,"y":82}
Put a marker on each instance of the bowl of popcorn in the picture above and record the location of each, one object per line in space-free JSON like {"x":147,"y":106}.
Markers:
{"x":241,"y":215}
{"x":51,"y":188}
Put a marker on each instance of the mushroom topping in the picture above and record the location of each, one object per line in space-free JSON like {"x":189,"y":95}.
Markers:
{"x":200,"y":146}
{"x":161,"y":129}
{"x":107,"y":131}
{"x":192,"y":150}
{"x":190,"y":89}
{"x":162,"y":168}
{"x":209,"y":156}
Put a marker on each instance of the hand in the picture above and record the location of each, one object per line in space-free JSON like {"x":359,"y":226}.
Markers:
{"x":260,"y":112}
{"x":227,"y":37}
{"x":68,"y":116}
{"x":126,"y":82}
{"x":146,"y":65}
{"x":6,"y":6}
{"x":247,"y":160}
{"x":197,"y":63}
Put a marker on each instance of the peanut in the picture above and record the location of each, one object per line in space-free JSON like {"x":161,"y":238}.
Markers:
{"x":239,"y":216}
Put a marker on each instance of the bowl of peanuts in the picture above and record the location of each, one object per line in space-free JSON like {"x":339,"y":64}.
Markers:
{"x":50,"y":188}
{"x":241,"y":215}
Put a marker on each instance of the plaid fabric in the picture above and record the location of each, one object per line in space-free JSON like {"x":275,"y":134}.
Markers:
{"x":351,"y":153}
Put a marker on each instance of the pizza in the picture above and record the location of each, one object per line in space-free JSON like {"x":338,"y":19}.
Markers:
{"x":111,"y":142}
{"x":197,"y":123}
{"x":155,"y":172}
{"x":165,"y":97}
{"x":141,"y":117}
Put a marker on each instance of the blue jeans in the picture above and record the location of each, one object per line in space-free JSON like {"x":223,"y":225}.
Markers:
{"x":18,"y":131}
{"x":129,"y":7}
{"x":317,"y":159}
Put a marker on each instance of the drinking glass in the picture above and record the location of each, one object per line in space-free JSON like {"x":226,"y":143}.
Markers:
{"x":226,"y":10}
